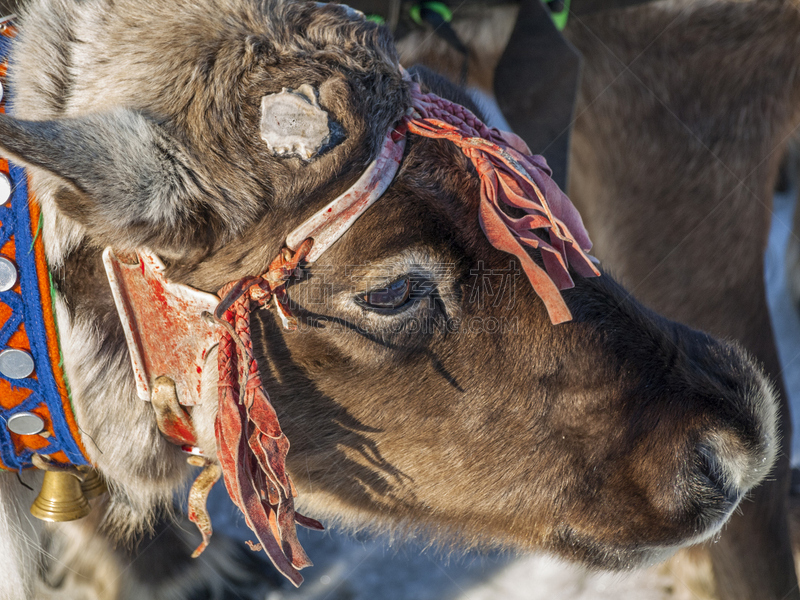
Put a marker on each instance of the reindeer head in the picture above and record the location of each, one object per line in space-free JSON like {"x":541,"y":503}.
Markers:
{"x":426,"y":386}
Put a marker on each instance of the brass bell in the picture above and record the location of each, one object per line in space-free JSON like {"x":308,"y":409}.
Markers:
{"x":61,"y":498}
{"x":92,"y":485}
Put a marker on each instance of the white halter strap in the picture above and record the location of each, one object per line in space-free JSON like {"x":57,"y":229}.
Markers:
{"x":336,"y":217}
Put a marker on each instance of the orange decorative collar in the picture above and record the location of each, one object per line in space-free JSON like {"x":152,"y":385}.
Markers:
{"x":35,"y":407}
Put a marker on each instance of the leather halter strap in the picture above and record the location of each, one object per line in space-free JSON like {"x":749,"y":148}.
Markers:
{"x":336,"y":217}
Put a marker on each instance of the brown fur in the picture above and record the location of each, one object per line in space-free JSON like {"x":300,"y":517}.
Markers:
{"x":684,"y":112}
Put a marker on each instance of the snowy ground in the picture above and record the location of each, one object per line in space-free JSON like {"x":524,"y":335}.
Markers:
{"x":347,"y":568}
{"x":785,"y":318}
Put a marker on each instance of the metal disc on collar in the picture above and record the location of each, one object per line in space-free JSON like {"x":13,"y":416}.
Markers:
{"x":5,"y":188}
{"x":25,"y":423}
{"x":8,"y":274}
{"x":16,"y":364}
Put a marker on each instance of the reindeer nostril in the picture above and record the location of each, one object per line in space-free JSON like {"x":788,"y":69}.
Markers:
{"x":717,"y":475}
{"x":709,"y":466}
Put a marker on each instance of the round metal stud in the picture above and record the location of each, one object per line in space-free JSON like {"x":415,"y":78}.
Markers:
{"x":8,"y":274}
{"x":25,"y":423}
{"x":16,"y":364}
{"x":5,"y":188}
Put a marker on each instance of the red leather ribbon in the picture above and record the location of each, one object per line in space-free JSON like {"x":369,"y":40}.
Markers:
{"x":512,"y":178}
{"x":250,"y":444}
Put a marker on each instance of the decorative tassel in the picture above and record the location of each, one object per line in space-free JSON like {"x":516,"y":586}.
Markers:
{"x":512,"y":178}
{"x":251,"y":447}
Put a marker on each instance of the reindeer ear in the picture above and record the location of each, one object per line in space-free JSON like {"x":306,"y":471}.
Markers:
{"x":122,"y":168}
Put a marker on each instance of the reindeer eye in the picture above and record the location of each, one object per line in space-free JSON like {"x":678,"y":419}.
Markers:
{"x":392,"y":296}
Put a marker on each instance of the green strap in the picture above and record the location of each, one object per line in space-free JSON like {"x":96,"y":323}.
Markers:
{"x":560,"y":18}
{"x":438,"y":7}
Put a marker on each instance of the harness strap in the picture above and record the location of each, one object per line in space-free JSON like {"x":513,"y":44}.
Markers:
{"x":336,"y":217}
{"x":510,"y":178}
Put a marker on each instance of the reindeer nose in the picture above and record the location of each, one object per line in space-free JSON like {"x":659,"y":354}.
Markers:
{"x":733,"y":408}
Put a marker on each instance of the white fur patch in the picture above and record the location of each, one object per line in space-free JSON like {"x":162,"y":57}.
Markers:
{"x":19,"y":535}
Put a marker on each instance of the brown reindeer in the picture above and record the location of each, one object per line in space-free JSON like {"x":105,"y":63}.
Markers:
{"x":684,"y":113}
{"x":426,"y":388}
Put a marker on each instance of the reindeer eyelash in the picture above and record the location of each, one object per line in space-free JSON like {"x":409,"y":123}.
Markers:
{"x":388,"y":298}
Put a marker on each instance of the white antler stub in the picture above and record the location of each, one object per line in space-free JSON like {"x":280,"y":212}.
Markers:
{"x":294,"y":124}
